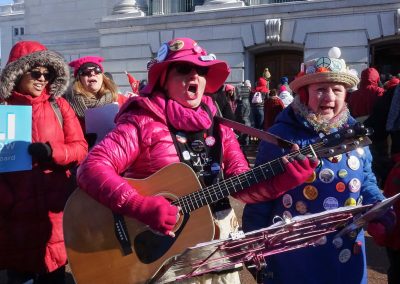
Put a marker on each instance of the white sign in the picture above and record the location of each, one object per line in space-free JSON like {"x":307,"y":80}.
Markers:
{"x":100,"y":120}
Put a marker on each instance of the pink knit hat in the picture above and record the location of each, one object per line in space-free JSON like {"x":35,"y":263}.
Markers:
{"x":77,"y":64}
{"x":186,"y":50}
{"x":229,"y":87}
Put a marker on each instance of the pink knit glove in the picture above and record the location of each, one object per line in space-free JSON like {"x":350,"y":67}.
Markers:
{"x":298,"y":170}
{"x":154,"y":211}
{"x":381,"y":227}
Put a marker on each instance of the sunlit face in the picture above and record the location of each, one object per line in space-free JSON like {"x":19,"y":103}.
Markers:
{"x":185,"y":84}
{"x":34,"y":81}
{"x":91,"y":79}
{"x":326,"y":99}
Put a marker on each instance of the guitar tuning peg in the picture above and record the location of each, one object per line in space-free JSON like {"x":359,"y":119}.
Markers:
{"x":331,"y":151}
{"x":356,"y":143}
{"x":337,"y":135}
{"x":343,"y":147}
{"x":350,"y":131}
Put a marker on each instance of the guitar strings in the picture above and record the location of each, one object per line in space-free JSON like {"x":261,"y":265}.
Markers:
{"x":200,"y":196}
{"x":192,"y":200}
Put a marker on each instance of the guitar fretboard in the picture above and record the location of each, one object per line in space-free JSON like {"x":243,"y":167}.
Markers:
{"x":227,"y":187}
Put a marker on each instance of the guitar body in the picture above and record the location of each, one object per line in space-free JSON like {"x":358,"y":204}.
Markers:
{"x":95,"y":254}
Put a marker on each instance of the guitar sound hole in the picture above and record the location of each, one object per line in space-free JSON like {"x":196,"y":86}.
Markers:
{"x":150,"y":246}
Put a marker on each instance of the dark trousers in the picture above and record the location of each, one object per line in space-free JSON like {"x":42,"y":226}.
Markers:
{"x":55,"y":277}
{"x":394,"y":265}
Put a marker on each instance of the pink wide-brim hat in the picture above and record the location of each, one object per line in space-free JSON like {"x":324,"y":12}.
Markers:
{"x":186,"y":50}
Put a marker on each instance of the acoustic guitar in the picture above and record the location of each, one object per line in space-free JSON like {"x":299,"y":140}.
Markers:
{"x":96,"y":256}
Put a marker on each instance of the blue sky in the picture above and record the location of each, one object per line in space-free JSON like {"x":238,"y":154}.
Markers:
{"x":4,"y":2}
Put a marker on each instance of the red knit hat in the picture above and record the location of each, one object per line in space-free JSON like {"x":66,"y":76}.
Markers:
{"x":186,"y":50}
{"x":77,"y":64}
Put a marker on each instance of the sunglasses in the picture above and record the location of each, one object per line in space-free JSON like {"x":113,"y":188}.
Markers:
{"x":89,"y":71}
{"x":185,"y":69}
{"x":36,"y":74}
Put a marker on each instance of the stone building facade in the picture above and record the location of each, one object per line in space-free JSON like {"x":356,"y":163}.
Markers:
{"x":249,"y":35}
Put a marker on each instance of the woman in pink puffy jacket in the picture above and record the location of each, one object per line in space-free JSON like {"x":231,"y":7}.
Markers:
{"x":172,"y":121}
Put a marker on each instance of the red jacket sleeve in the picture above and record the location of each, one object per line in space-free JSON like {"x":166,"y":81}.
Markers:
{"x":74,"y":148}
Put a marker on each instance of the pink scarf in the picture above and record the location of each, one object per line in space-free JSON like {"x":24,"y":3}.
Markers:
{"x":187,"y":119}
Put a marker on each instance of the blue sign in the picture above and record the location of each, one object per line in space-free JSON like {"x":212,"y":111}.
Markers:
{"x":15,"y":137}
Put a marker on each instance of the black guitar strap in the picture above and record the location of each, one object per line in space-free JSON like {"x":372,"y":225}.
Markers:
{"x":202,"y":151}
{"x":121,"y":232}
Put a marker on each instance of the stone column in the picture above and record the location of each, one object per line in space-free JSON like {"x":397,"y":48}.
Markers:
{"x":127,"y":7}
{"x":219,"y":4}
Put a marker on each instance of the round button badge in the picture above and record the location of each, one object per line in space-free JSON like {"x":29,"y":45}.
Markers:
{"x":210,"y":141}
{"x":176,"y":45}
{"x":330,"y":203}
{"x":350,"y":202}
{"x":312,"y":178}
{"x":181,"y":137}
{"x":186,"y":155}
{"x":337,"y":242}
{"x":197,"y":145}
{"x":287,"y":215}
{"x":354,"y":185}
{"x":287,"y":201}
{"x":301,"y":207}
{"x":360,"y":151}
{"x":340,"y":187}
{"x":326,"y":175}
{"x":344,"y":255}
{"x":335,"y":159}
{"x":310,"y":192}
{"x":323,"y":62}
{"x":162,"y":52}
{"x":353,"y":162}
{"x":342,"y":173}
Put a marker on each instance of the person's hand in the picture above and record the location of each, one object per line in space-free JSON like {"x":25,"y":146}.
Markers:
{"x":156,"y":212}
{"x":297,"y":170}
{"x":41,"y":152}
{"x":382,"y":226}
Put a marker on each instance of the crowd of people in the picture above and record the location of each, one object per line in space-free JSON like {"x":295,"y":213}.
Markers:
{"x":172,"y":120}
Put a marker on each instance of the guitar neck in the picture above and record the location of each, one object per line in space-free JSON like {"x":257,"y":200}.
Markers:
{"x":227,"y":187}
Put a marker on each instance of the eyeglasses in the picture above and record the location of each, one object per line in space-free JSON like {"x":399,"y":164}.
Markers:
{"x":185,"y":69}
{"x":36,"y":74}
{"x":88,"y":71}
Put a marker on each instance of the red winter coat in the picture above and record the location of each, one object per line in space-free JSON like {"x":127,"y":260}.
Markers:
{"x":272,"y":107}
{"x":32,"y":202}
{"x":361,"y":102}
{"x":392,"y":187}
{"x":140,"y":145}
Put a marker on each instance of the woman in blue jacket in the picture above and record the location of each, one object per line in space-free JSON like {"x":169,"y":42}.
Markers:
{"x":344,"y":180}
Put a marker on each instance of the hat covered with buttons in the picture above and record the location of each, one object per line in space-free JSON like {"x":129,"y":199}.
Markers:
{"x":186,"y":50}
{"x":325,"y":70}
{"x":87,"y":61}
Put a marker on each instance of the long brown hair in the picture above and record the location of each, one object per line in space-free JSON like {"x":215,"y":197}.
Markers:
{"x":107,"y":86}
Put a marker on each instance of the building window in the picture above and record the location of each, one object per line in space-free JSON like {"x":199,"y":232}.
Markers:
{"x":21,"y":31}
{"x":16,"y":31}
